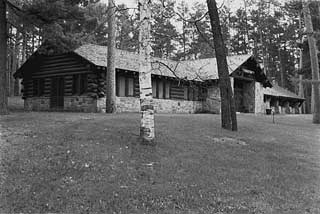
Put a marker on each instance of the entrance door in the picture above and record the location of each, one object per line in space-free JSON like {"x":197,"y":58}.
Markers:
{"x":238,"y":95}
{"x":57,"y":92}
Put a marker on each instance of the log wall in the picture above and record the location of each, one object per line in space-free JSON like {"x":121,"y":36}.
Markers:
{"x":51,"y":66}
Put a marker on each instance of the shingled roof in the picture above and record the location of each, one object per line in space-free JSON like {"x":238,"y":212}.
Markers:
{"x":203,"y":69}
{"x":277,"y":91}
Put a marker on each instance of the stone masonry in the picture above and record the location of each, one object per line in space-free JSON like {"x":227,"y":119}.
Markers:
{"x":259,"y":105}
{"x":124,"y":104}
{"x":132,"y":104}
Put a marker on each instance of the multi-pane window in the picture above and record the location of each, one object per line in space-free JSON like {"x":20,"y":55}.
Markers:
{"x":125,"y":86}
{"x":160,"y":89}
{"x":38,"y":87}
{"x":191,"y":93}
{"x":79,"y":84}
{"x":186,"y":92}
{"x":130,"y":87}
{"x":167,"y":86}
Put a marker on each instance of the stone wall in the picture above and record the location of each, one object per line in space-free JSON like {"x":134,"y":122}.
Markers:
{"x":128,"y":104}
{"x":80,"y":104}
{"x":213,"y":100}
{"x":71,"y":103}
{"x":259,"y":106}
{"x":101,"y":105}
{"x":37,"y":104}
{"x":132,"y":104}
{"x":177,"y":106}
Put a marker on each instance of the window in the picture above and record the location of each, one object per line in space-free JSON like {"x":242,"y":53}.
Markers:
{"x":203,"y":93}
{"x":130,"y":87}
{"x":191,"y":93}
{"x":167,"y":90}
{"x":125,"y":86}
{"x":121,"y":86}
{"x":79,"y":84}
{"x":186,"y":92}
{"x":196,"y":94}
{"x":160,"y":89}
{"x":154,"y":88}
{"x":38,"y":87}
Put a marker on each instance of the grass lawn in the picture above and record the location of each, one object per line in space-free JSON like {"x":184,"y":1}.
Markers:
{"x":92,"y":163}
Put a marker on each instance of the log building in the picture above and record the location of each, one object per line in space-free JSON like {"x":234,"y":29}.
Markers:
{"x":75,"y":81}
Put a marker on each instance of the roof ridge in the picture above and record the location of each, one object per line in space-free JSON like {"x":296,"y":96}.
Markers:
{"x":159,"y":58}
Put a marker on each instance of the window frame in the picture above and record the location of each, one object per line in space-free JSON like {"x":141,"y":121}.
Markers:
{"x":129,"y":88}
{"x":79,"y":84}
{"x":166,"y":86}
{"x":38,"y":87}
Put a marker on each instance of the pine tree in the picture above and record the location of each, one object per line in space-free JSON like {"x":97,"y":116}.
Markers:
{"x":163,"y":31}
{"x":228,"y":111}
{"x":111,"y":70}
{"x":3,"y":59}
{"x":201,"y":34}
{"x":127,"y":36}
{"x":65,"y":24}
{"x":184,"y":36}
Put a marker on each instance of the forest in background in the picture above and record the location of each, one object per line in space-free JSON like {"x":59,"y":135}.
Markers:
{"x":271,"y":31}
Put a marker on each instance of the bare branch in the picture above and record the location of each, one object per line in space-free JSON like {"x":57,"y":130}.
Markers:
{"x":203,"y":36}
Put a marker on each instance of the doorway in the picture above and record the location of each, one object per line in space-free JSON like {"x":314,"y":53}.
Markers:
{"x":57,"y":93}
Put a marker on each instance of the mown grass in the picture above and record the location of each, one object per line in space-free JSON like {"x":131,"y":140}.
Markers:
{"x":93,"y":163}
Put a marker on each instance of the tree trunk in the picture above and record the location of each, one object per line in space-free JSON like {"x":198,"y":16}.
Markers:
{"x":111,"y":72}
{"x":301,"y":94}
{"x":228,"y":112}
{"x":282,"y":70}
{"x":16,"y":65}
{"x":184,"y":39}
{"x":314,"y":63}
{"x":11,"y":71}
{"x":146,"y":102}
{"x":24,"y":48}
{"x":302,"y":109}
{"x":3,"y":59}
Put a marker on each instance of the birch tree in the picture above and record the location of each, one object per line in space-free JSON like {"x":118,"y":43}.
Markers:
{"x":3,"y":59}
{"x":146,"y":101}
{"x":314,"y":62}
{"x":228,"y":111}
{"x":111,"y":72}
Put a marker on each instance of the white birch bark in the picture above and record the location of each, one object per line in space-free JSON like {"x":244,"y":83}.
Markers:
{"x":146,"y":102}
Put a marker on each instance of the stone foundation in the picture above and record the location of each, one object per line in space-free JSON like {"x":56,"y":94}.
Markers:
{"x":132,"y":104}
{"x":124,"y":104}
{"x":259,"y":105}
{"x":213,"y":100}
{"x":80,"y":104}
{"x":177,"y":106}
{"x":101,"y":105}
{"x":128,"y":104}
{"x":37,"y":104}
